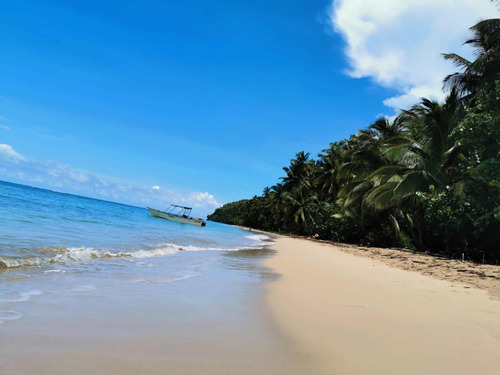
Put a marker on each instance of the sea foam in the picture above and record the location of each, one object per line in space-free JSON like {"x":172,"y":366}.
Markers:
{"x":63,"y":255}
{"x":7,"y":315}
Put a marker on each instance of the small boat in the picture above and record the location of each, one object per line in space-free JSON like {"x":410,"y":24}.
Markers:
{"x":177,"y":213}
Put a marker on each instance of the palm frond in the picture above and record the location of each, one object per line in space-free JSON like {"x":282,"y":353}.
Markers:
{"x":450,"y":156}
{"x":457,"y":60}
{"x":412,"y":182}
{"x":381,"y":197}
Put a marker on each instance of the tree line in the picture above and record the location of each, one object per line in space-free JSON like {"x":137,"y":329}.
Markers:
{"x":427,"y":180}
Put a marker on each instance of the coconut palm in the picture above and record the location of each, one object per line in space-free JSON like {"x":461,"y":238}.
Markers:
{"x":297,"y":173}
{"x":276,"y":197}
{"x":327,"y":178}
{"x":478,"y":76}
{"x":301,"y":204}
{"x":416,"y":164}
{"x":365,"y":155}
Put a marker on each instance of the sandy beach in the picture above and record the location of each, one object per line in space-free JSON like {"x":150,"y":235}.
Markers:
{"x":175,"y":176}
{"x":300,"y":307}
{"x":356,"y":315}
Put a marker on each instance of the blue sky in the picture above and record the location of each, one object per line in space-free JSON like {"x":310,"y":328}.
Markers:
{"x":206,"y":100}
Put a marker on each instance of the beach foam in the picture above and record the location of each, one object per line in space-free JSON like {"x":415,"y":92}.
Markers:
{"x":19,"y":296}
{"x":259,"y":237}
{"x":165,"y":281}
{"x":8,"y":315}
{"x":62,"y":255}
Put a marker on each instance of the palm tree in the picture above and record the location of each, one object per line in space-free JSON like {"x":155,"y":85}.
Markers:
{"x":298,"y":172}
{"x":276,"y":196}
{"x":416,"y":164}
{"x":365,"y":155}
{"x":327,"y":179}
{"x":478,"y":76}
{"x":300,"y":206}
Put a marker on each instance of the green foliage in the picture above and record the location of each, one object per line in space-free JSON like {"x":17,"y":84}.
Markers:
{"x":428,"y":180}
{"x":230,"y":213}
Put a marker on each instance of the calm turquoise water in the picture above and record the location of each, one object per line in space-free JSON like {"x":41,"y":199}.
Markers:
{"x":53,"y":243}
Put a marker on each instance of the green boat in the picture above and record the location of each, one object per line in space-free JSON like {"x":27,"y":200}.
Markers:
{"x":180,"y":214}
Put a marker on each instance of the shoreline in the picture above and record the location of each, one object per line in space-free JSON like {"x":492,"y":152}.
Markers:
{"x":214,"y":323}
{"x":476,"y":275}
{"x":299,"y":307}
{"x":356,"y":315}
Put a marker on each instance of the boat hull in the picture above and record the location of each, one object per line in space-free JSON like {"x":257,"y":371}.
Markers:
{"x":179,"y":219}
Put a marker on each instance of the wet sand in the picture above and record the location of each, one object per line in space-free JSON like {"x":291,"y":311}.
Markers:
{"x":213,"y":324}
{"x":356,"y":315}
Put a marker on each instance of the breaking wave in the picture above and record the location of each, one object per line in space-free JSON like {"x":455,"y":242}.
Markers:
{"x":259,"y":237}
{"x":62,"y":255}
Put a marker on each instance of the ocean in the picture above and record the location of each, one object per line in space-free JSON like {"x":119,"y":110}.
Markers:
{"x":56,"y":246}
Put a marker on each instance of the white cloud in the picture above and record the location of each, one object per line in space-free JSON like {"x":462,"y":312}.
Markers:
{"x":204,"y":200}
{"x":9,"y":154}
{"x":53,"y":174}
{"x":5,"y":127}
{"x":398,"y":43}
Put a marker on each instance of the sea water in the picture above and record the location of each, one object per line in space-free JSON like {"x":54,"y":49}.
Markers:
{"x":55,"y":244}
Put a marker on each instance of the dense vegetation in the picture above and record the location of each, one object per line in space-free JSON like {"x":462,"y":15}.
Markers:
{"x":428,"y":180}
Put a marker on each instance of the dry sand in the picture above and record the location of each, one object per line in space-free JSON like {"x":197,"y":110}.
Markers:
{"x":482,"y":276}
{"x":356,"y":315}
